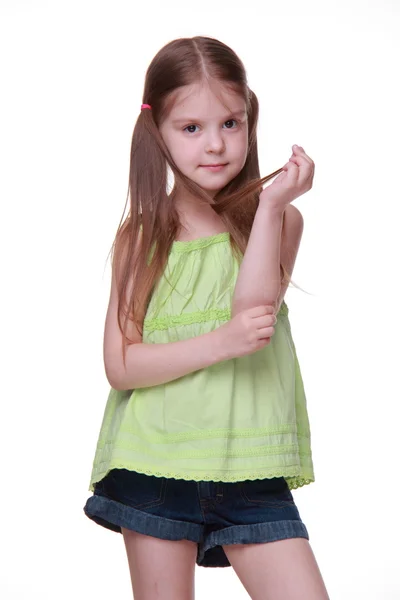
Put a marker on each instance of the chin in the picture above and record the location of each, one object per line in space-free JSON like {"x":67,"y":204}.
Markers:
{"x":216,"y":185}
{"x":212,"y":190}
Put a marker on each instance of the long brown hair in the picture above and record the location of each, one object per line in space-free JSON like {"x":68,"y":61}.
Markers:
{"x":180,"y":63}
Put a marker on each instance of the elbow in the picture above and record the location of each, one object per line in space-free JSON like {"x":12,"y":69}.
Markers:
{"x":253,"y":302}
{"x":114,"y":382}
{"x":118,"y":385}
{"x":118,"y":376}
{"x":115,"y":378}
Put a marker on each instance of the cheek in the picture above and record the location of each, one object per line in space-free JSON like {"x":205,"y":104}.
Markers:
{"x":185,"y":153}
{"x":178,"y":147}
{"x":183,"y":156}
{"x":177,"y":153}
{"x":241,"y":143}
{"x":245,"y":155}
{"x":242,"y":151}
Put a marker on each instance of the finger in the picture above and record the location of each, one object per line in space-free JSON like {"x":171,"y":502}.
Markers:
{"x":299,"y":151}
{"x":301,"y":159}
{"x":280,"y":176}
{"x":261,"y":311}
{"x":260,"y":344}
{"x":265,"y":321}
{"x":265,"y":332}
{"x":292,"y":173}
{"x":305,"y":168}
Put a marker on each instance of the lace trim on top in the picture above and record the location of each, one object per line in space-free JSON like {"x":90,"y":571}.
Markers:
{"x":214,"y":314}
{"x":162,"y":323}
{"x":293,"y":478}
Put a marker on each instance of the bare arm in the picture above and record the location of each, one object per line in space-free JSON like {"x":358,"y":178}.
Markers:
{"x":274,"y":240}
{"x":148,"y":365}
{"x":153,"y":364}
{"x":259,"y":279}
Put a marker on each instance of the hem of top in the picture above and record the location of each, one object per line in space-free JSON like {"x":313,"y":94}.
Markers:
{"x":113,"y":515}
{"x":293,"y":477}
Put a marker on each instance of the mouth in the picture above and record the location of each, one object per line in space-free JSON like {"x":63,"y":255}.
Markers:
{"x":214,"y":167}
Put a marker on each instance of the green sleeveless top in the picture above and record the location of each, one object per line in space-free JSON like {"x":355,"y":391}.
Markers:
{"x":244,"y":418}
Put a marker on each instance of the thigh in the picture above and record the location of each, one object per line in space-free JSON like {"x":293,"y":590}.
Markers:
{"x":280,"y":570}
{"x":160,"y":569}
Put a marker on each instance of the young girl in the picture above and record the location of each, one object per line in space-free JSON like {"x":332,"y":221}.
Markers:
{"x":206,"y":430}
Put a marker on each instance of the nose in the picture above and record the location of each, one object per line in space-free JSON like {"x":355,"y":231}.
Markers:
{"x":215,"y":142}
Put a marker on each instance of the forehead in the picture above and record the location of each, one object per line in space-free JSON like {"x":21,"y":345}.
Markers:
{"x":204,"y":102}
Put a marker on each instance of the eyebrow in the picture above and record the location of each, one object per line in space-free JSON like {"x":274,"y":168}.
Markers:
{"x":237,"y":113}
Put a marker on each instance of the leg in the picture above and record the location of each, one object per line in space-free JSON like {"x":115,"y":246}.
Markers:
{"x":282,"y":570}
{"x":160,"y":569}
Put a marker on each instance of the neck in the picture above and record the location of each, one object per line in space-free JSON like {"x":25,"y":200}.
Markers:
{"x":196,"y":214}
{"x":187,"y":200}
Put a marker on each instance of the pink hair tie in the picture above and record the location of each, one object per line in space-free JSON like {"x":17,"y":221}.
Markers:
{"x":145,"y":106}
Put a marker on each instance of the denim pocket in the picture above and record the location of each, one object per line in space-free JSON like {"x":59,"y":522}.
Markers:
{"x":135,"y":489}
{"x":267,"y":492}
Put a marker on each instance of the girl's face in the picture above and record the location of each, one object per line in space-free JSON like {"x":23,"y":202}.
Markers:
{"x":199,"y":131}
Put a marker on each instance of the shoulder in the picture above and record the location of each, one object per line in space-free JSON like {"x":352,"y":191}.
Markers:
{"x":293,"y":220}
{"x":292,"y":231}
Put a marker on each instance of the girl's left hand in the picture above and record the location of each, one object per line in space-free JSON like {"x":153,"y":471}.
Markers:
{"x":295,"y":180}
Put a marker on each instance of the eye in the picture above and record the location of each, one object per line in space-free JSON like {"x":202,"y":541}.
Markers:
{"x":189,"y":126}
{"x":232,"y":124}
{"x":230,"y":121}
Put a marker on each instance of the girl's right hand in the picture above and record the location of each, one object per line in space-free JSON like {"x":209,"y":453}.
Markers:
{"x":248,"y":331}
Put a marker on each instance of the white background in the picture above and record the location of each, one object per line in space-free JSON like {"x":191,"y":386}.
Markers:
{"x":72,"y":74}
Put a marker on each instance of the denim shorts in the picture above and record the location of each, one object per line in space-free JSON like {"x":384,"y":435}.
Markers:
{"x":212,"y":514}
